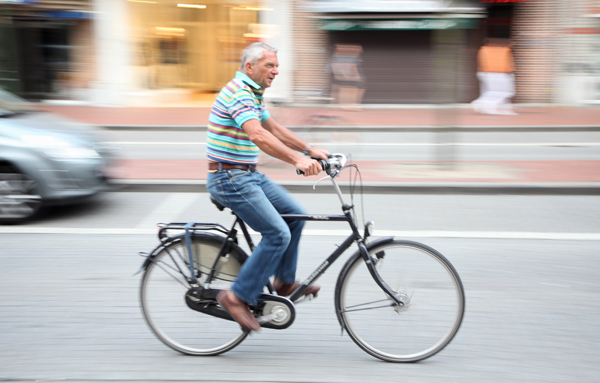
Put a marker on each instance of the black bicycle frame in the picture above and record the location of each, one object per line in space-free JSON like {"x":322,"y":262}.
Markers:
{"x":354,"y":237}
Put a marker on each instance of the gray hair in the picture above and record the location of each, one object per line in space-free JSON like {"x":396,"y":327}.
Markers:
{"x":255,"y":52}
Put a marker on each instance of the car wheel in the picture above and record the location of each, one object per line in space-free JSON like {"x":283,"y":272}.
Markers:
{"x":19,"y":196}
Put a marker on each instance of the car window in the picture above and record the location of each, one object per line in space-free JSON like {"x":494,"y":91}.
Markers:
{"x":9,"y":104}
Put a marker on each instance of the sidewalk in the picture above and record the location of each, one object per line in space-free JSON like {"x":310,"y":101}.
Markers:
{"x":542,"y":177}
{"x":398,"y":117}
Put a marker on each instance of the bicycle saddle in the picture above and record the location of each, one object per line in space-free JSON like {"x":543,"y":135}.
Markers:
{"x":217,"y":204}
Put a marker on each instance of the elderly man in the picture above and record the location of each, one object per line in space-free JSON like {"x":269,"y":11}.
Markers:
{"x":239,"y":126}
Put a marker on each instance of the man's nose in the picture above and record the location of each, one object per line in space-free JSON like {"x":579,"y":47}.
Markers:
{"x":275,"y":71}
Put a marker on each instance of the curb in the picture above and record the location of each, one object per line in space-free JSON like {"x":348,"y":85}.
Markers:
{"x":481,"y":188}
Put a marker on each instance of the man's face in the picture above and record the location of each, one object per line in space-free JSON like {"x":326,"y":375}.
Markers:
{"x":265,"y":70}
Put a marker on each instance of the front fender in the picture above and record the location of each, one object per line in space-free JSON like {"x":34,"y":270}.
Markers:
{"x":344,"y":271}
{"x":369,"y":246}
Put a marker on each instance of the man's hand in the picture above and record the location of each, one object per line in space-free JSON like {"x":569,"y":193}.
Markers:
{"x":313,"y":167}
{"x":308,"y":166}
{"x":318,"y":153}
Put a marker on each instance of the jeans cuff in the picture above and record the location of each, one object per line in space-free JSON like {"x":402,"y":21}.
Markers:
{"x":246,"y":299}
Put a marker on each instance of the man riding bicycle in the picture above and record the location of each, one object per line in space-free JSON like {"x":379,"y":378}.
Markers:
{"x":239,"y":126}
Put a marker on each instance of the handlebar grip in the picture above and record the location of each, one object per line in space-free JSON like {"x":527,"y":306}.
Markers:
{"x":324,"y":166}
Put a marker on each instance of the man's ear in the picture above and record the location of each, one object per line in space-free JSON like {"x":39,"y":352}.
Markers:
{"x":248,"y":67}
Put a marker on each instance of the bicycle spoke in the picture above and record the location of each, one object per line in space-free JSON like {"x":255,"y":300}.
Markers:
{"x":175,"y":262}
{"x":366,"y":303}
{"x":162,"y":267}
{"x":370,"y":308}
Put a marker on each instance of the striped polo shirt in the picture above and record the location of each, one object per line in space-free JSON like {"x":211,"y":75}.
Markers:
{"x":239,"y":101}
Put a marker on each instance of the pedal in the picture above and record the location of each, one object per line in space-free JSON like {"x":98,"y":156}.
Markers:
{"x":266,"y":318}
{"x":308,"y":297}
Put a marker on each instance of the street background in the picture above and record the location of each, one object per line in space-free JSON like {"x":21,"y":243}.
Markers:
{"x":510,"y":199}
{"x":527,"y":255}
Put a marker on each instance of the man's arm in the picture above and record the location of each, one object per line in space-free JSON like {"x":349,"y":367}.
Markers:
{"x":290,"y":140}
{"x":273,"y":146}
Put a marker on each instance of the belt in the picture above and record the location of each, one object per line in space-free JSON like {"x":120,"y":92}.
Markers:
{"x":214,"y":166}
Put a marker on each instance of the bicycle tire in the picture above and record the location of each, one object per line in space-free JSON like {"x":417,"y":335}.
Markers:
{"x":164,"y":286}
{"x":420,"y":276}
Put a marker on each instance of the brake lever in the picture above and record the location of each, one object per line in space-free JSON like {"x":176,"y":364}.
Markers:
{"x":324,"y":178}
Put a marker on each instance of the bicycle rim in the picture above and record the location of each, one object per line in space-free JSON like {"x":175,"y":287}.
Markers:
{"x":163,"y":292}
{"x":420,"y":277}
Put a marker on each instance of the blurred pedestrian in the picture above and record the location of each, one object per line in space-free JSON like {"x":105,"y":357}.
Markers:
{"x":239,"y":126}
{"x":348,"y":82}
{"x":495,"y":71}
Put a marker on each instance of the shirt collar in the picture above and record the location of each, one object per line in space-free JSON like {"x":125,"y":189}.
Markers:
{"x":244,"y":77}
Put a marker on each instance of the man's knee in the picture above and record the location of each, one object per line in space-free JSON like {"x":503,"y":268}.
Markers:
{"x":281,"y":238}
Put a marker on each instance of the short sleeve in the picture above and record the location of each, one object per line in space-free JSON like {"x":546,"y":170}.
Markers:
{"x":265,"y":115}
{"x":242,"y":107}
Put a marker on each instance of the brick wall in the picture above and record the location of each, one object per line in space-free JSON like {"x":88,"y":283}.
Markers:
{"x":535,"y":33}
{"x":311,"y":54}
{"x":83,"y":57}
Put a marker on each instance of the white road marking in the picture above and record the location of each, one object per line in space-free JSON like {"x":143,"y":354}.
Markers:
{"x":553,"y":284}
{"x":532,"y":144}
{"x":323,"y":233}
{"x":167,"y":211}
{"x":155,"y":143}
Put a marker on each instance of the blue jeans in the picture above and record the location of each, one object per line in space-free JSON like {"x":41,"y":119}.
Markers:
{"x":259,"y":202}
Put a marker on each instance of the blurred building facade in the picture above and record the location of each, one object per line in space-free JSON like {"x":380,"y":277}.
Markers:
{"x":46,"y":47}
{"x":144,"y":52}
{"x":425,"y":51}
{"x":413,"y":52}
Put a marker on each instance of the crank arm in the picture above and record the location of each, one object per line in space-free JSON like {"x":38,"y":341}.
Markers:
{"x":307,"y":298}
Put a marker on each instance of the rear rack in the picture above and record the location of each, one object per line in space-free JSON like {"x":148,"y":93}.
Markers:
{"x":166,"y":229}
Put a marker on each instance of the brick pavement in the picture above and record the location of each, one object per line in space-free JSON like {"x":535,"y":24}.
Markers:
{"x":173,"y":116}
{"x":374,"y":171}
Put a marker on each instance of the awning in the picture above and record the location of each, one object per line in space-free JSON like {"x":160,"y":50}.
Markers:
{"x":29,"y":2}
{"x":34,"y":14}
{"x":408,"y":6}
{"x":397,"y":24}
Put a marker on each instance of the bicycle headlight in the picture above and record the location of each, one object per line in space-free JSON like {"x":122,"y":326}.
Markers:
{"x":369,"y":228}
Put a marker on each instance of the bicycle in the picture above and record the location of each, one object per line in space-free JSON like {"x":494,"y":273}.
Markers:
{"x":399,"y":300}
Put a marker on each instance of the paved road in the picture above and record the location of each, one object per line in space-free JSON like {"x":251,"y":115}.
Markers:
{"x":70,"y":308}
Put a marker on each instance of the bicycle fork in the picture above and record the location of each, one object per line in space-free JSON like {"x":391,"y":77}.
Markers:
{"x":375,"y":274}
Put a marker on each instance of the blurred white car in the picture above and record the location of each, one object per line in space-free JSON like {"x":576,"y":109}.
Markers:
{"x":46,"y":160}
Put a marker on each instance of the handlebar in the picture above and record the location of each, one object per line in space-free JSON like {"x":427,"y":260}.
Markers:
{"x":332,"y":166}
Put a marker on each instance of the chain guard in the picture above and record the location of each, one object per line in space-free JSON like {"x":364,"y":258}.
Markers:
{"x":205,"y":301}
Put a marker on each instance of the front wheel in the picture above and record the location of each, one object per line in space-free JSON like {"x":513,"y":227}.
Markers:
{"x":427,"y":284}
{"x":19,"y":196}
{"x":165,"y":285}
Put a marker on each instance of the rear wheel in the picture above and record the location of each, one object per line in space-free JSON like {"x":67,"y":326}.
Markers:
{"x":164,"y":287}
{"x":19,"y":196}
{"x":423,"y":280}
